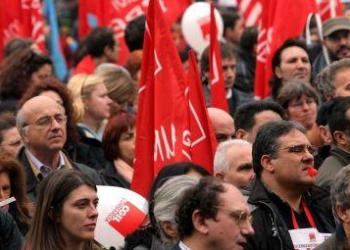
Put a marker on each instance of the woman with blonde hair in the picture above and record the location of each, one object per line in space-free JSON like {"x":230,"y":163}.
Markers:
{"x":121,"y":87}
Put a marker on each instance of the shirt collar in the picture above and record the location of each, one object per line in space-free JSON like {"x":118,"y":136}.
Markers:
{"x":38,"y":164}
{"x":183,"y":246}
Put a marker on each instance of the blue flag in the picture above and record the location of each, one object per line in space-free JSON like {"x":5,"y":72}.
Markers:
{"x":57,"y":57}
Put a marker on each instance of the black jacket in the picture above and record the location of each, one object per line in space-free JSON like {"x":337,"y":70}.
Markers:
{"x":10,"y":236}
{"x":112,"y":177}
{"x":33,"y":182}
{"x":271,"y":231}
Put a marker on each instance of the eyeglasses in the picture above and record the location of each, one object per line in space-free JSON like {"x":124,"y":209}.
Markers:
{"x":299,"y":149}
{"x":46,"y":121}
{"x":239,"y":216}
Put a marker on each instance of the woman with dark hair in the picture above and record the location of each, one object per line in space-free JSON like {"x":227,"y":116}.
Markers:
{"x":10,"y":140}
{"x":150,"y":236}
{"x":53,"y":88}
{"x":18,"y":71}
{"x":118,"y":143}
{"x":12,"y":184}
{"x":66,"y":214}
{"x":300,"y":102}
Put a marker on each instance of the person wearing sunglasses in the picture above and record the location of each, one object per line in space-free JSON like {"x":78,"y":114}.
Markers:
{"x":338,"y":119}
{"x":287,"y":201}
{"x":213,"y":215}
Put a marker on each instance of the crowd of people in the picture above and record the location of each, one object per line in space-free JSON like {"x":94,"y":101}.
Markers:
{"x":281,"y":170}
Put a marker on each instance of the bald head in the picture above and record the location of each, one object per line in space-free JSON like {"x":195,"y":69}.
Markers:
{"x":34,"y":106}
{"x":222,"y":123}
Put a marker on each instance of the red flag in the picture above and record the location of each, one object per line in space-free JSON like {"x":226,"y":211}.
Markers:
{"x":329,"y":8}
{"x":217,"y":86}
{"x":21,"y":19}
{"x":275,"y":29}
{"x":250,"y":11}
{"x":203,"y":141}
{"x":161,"y":118}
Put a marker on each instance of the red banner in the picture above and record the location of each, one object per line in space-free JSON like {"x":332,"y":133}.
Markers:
{"x":203,"y":141}
{"x":250,"y":11}
{"x":217,"y":86}
{"x":330,"y":8}
{"x":280,"y":20}
{"x":160,"y":138}
{"x":21,"y":18}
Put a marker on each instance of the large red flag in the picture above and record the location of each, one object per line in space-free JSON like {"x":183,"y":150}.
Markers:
{"x":217,"y":86}
{"x":203,"y":141}
{"x":161,"y":118}
{"x":21,"y":18}
{"x":329,"y":8}
{"x":280,"y":20}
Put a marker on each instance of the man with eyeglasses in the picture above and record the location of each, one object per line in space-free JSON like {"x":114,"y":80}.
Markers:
{"x":41,"y":123}
{"x":213,"y":215}
{"x":288,"y":206}
{"x":338,"y":118}
{"x":336,"y":35}
{"x":222,"y":123}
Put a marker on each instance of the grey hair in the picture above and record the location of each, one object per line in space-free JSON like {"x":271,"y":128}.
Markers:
{"x":324,"y":85}
{"x":21,"y":121}
{"x":167,"y":197}
{"x":325,"y":79}
{"x":340,"y":191}
{"x":220,"y":161}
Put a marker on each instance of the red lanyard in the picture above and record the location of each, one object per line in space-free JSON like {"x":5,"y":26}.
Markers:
{"x":308,"y":216}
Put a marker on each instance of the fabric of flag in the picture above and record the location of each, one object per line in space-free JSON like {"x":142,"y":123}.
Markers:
{"x":56,"y":54}
{"x":22,"y":18}
{"x":280,"y":20}
{"x":217,"y":85}
{"x":250,"y":11}
{"x":329,"y":8}
{"x":203,"y":141}
{"x":161,"y":116}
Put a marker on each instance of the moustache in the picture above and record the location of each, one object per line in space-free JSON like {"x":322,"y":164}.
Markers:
{"x":343,"y":47}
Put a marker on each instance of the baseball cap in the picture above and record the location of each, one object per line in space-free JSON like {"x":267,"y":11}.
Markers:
{"x":335,"y":24}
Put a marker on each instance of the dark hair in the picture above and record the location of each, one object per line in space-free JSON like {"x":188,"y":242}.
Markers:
{"x":22,"y":207}
{"x":267,"y":140}
{"x":230,"y":18}
{"x":116,"y":126}
{"x":275,"y":82}
{"x":249,"y":38}
{"x":134,"y":33}
{"x":7,"y":121}
{"x":227,"y":51}
{"x":202,"y":197}
{"x":16,"y":44}
{"x":17,"y":70}
{"x":245,"y":114}
{"x":295,"y":90}
{"x":337,"y":118}
{"x":55,"y":85}
{"x":53,"y":191}
{"x":322,"y":113}
{"x":98,"y":39}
